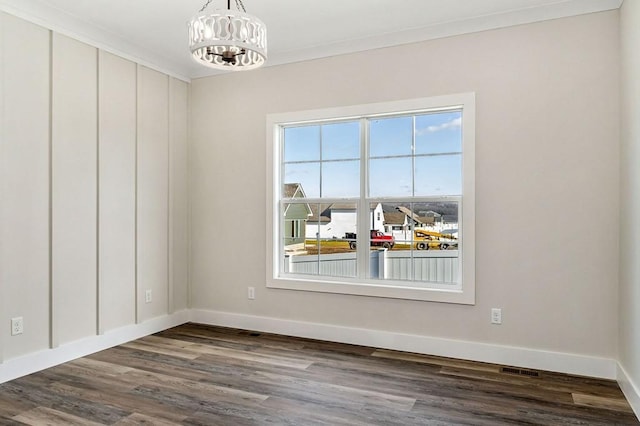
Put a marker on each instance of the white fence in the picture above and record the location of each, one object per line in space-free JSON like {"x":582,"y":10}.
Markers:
{"x":438,"y":266}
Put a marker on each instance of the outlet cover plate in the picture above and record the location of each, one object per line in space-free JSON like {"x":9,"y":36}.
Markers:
{"x":496,"y":316}
{"x":17,"y":326}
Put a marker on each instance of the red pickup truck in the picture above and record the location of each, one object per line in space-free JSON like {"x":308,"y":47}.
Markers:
{"x":377,"y":239}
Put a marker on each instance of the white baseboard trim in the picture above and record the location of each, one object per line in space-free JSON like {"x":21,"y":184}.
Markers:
{"x":483,"y":352}
{"x":630,"y":390}
{"x":18,"y":367}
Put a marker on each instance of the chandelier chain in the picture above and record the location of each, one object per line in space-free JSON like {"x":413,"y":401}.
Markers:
{"x":239,"y":5}
{"x":205,"y":6}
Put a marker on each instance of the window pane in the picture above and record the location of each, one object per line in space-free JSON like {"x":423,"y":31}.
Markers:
{"x":439,"y":133}
{"x":295,"y":220}
{"x":336,"y":257}
{"x":390,"y":177}
{"x":397,"y":222}
{"x":341,"y":179}
{"x":302,"y":143}
{"x":377,"y":218}
{"x":425,"y":243}
{"x":437,"y":216}
{"x":341,"y":141}
{"x":390,"y":136}
{"x":325,"y":249}
{"x":305,"y":174}
{"x":436,"y":240}
{"x":438,"y":175}
{"x":342,"y":220}
{"x":294,"y":235}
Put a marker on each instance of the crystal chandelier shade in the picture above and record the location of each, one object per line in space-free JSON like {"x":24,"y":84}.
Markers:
{"x":228,"y":40}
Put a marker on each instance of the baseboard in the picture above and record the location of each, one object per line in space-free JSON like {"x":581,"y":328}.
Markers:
{"x":482,"y":352}
{"x":630,"y":390}
{"x":18,"y":367}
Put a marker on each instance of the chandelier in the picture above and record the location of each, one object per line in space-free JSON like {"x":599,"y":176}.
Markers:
{"x":228,"y":39}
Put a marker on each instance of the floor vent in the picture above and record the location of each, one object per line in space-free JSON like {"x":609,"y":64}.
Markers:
{"x":520,"y":372}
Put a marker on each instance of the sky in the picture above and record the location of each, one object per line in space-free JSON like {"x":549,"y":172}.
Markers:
{"x":325,"y":158}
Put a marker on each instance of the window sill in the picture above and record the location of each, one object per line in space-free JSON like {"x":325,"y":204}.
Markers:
{"x":385,"y":289}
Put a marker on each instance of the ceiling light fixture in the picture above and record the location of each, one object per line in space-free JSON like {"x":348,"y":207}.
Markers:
{"x":228,"y":39}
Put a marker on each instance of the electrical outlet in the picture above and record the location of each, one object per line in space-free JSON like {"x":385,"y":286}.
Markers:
{"x":17,"y":326}
{"x":251,"y":293}
{"x":147,"y":296}
{"x":496,"y":316}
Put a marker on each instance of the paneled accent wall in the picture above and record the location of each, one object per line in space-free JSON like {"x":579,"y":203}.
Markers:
{"x":74,"y":189}
{"x":153,"y":192}
{"x":117,"y":189}
{"x":93,"y":190}
{"x":24,"y":185}
{"x":178,"y":205}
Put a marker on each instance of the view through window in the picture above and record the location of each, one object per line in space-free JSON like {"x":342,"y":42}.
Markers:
{"x":373,"y":199}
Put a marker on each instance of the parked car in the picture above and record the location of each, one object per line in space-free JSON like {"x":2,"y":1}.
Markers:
{"x":377,"y":238}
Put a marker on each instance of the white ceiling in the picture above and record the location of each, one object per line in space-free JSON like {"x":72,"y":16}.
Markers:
{"x":154,"y":32}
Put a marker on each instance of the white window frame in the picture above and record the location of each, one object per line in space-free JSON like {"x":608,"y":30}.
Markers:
{"x":464,"y":292}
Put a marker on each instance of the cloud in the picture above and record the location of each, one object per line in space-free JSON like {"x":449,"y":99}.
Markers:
{"x":452,"y":124}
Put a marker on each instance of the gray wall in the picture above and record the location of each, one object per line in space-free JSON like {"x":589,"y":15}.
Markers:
{"x":547,"y":182}
{"x":630,"y":196}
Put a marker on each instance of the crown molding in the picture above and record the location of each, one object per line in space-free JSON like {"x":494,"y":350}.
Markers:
{"x":41,"y":13}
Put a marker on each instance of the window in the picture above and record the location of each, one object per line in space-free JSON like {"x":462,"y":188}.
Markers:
{"x":374,"y":200}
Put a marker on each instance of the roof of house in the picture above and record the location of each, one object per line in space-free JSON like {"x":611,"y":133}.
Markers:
{"x":290,"y":189}
{"x":397,"y":218}
{"x":294,"y":190}
{"x":325,"y":214}
{"x":411,"y":214}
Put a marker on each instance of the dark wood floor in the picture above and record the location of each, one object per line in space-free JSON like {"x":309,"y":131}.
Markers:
{"x":201,"y":375}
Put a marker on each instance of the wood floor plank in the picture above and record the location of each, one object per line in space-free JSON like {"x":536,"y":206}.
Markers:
{"x":70,"y":373}
{"x":43,"y":416}
{"x":166,"y":341}
{"x":602,"y":402}
{"x":434,"y":360}
{"x":317,"y":412}
{"x":201,"y":375}
{"x":10,"y":407}
{"x":155,"y":348}
{"x":95,"y":411}
{"x":281,"y":361}
{"x":545,"y":382}
{"x":216,"y":339}
{"x":340,"y":392}
{"x":141,"y":419}
{"x":100,"y":367}
{"x":194,"y":387}
{"x":122,"y":400}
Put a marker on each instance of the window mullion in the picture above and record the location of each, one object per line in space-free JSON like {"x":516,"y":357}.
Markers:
{"x":279,"y":219}
{"x":413,"y":192}
{"x":362,"y":251}
{"x":413,"y":157}
{"x":320,"y":157}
